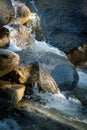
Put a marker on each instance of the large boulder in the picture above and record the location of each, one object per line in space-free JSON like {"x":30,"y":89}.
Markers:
{"x":6,"y":12}
{"x":63,"y":22}
{"x":8,"y":61}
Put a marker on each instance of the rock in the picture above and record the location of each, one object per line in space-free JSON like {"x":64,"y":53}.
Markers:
{"x":25,"y":74}
{"x":4,"y":38}
{"x":79,"y":56}
{"x":22,"y":13}
{"x":8,"y":61}
{"x":11,"y":92}
{"x":46,"y":83}
{"x":63,"y":23}
{"x":6,"y":12}
{"x":81,"y":90}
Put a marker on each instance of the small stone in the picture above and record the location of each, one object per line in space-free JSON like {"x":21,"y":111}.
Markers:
{"x":8,"y":61}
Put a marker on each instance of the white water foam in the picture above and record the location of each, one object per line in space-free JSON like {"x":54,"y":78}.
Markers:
{"x":71,"y":107}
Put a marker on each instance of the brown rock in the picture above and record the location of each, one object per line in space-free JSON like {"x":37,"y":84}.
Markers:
{"x":25,"y":74}
{"x":22,"y":13}
{"x":47,"y":84}
{"x":79,"y":56}
{"x":12,"y":92}
{"x":4,"y":38}
{"x":8,"y":61}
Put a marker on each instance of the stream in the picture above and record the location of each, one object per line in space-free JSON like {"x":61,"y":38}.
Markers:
{"x":69,"y":110}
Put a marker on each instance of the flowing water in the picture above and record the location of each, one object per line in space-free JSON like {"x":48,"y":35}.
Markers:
{"x":69,"y":108}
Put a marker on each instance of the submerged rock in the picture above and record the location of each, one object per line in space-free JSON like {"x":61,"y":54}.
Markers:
{"x":11,"y":92}
{"x":4,"y":38}
{"x":6,"y":12}
{"x":8,"y":61}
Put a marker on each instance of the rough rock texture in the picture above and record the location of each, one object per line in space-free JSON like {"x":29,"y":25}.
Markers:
{"x":63,"y":22}
{"x":4,"y":37}
{"x":11,"y":92}
{"x":8,"y":61}
{"x":46,"y":83}
{"x":6,"y":12}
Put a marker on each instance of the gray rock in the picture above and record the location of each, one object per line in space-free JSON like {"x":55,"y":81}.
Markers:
{"x":63,"y":23}
{"x":8,"y":61}
{"x":6,"y":12}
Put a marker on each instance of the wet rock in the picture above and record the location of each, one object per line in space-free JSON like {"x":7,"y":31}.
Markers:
{"x":81,"y":90}
{"x":8,"y":61}
{"x":4,"y":38}
{"x":11,"y":92}
{"x":46,"y":83}
{"x":22,"y":13}
{"x":25,"y":74}
{"x":63,"y":22}
{"x":6,"y":12}
{"x":79,"y":56}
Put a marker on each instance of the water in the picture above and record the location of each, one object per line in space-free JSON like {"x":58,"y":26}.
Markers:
{"x":71,"y":109}
{"x":9,"y":124}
